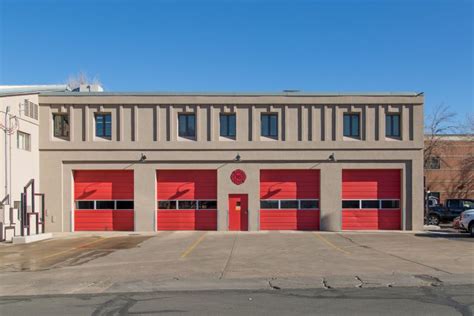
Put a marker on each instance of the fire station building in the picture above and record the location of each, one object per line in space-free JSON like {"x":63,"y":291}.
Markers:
{"x":235,"y":161}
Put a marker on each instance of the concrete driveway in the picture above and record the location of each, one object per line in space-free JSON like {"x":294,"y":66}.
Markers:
{"x":118,"y":262}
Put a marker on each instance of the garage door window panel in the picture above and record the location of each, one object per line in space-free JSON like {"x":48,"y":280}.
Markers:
{"x":289,"y":204}
{"x":270,"y":204}
{"x":105,"y":205}
{"x":371,"y":204}
{"x":85,"y":205}
{"x":167,"y":205}
{"x":187,"y":205}
{"x":124,"y":205}
{"x":309,"y":204}
{"x":390,"y":204}
{"x":351,"y":204}
{"x":207,"y":205}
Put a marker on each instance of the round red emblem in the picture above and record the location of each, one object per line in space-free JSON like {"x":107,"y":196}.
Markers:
{"x":238,"y":176}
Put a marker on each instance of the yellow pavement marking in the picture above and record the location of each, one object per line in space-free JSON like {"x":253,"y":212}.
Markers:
{"x":194,"y":245}
{"x":331,"y":244}
{"x":71,"y":249}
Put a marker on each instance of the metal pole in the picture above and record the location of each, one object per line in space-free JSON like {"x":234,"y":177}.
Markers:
{"x":6,"y":151}
{"x":43,"y":221}
{"x":22,"y":216}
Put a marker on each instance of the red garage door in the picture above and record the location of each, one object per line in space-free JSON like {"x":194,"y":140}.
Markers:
{"x":103,"y":200}
{"x":187,"y":199}
{"x":289,"y":199}
{"x":371,"y":199}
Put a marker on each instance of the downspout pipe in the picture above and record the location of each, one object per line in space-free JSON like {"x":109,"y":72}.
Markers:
{"x":6,"y":151}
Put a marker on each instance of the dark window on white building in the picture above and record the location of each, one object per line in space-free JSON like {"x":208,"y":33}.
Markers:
{"x":392,"y":125}
{"x":187,"y":125}
{"x":351,"y":125}
{"x":227,"y":125}
{"x":61,"y":125}
{"x":269,"y":125}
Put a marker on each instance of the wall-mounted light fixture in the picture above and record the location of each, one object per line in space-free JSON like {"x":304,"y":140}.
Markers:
{"x":237,"y":158}
{"x":142,"y":157}
{"x":332,"y":158}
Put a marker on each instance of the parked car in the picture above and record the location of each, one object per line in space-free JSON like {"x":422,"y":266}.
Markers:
{"x":466,"y":221}
{"x":446,"y":213}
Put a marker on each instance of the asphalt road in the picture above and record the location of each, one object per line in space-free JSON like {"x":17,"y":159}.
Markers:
{"x":442,"y":300}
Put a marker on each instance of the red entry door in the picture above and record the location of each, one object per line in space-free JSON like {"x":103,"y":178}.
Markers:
{"x":238,"y":212}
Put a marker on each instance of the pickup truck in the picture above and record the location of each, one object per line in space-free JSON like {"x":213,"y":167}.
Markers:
{"x":446,"y":213}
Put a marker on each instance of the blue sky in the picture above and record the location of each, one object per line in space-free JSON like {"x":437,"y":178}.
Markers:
{"x":338,"y":45}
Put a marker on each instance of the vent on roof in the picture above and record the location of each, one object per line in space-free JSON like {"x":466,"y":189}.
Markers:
{"x":89,"y":88}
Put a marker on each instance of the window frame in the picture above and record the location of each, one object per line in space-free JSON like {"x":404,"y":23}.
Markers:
{"x":197,"y":203}
{"x":308,"y":208}
{"x":26,"y":141}
{"x":172,"y":203}
{"x":268,"y":132}
{"x":103,"y":132}
{"x":95,"y":203}
{"x":289,"y":208}
{"x":187,"y":123}
{"x":379,"y":201}
{"x":227,"y":133}
{"x":370,"y":200}
{"x":389,"y":132}
{"x":351,"y":208}
{"x":352,"y":119}
{"x":298,"y":207}
{"x":433,"y":161}
{"x":65,"y":127}
{"x":390,"y":208}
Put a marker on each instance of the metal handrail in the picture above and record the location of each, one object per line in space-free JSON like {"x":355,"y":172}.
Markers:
{"x":25,"y":219}
{"x":6,"y":200}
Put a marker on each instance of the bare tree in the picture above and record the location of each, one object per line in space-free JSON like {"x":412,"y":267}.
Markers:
{"x":468,"y":126}
{"x":75,"y":81}
{"x":440,"y":121}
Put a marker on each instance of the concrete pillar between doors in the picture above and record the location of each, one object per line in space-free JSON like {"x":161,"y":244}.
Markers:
{"x":330,"y":198}
{"x":145,"y":198}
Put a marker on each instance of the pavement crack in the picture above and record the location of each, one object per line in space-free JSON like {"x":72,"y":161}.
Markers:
{"x":227,"y":263}
{"x":393,"y":255}
{"x":326,"y":285}
{"x":119,"y":305}
{"x":273,"y":286}
{"x":433,"y":281}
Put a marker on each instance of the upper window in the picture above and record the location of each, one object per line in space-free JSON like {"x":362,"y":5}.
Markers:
{"x":103,"y":125}
{"x":392,"y":125}
{"x":61,"y":125}
{"x":30,"y":109}
{"x":433,"y":163}
{"x":227,"y":125}
{"x":23,"y":141}
{"x":351,"y":125}
{"x":269,"y":124}
{"x":187,"y":125}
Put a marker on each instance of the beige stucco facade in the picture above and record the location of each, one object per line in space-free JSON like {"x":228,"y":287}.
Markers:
{"x":310,"y":129}
{"x":22,"y":164}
